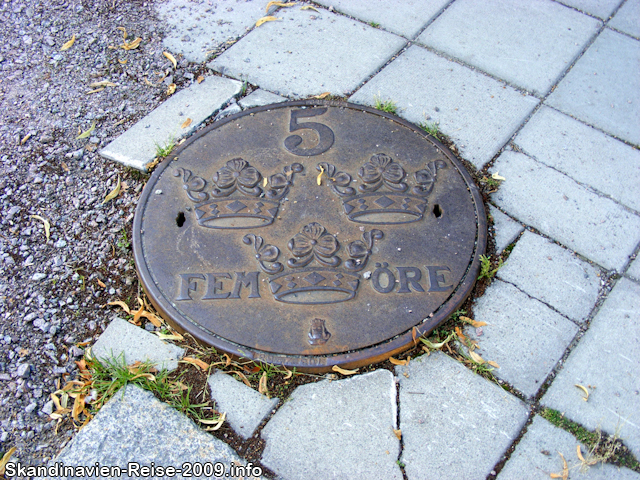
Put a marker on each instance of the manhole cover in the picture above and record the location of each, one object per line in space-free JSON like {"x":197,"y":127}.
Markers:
{"x":309,"y":234}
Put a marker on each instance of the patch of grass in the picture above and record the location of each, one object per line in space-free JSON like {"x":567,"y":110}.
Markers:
{"x":123,"y":242}
{"x":485,"y":267}
{"x":374,"y":24}
{"x":164,"y":150}
{"x":432,"y":128}
{"x":388,"y":106}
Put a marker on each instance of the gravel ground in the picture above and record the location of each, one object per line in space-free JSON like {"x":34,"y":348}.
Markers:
{"x":51,"y":290}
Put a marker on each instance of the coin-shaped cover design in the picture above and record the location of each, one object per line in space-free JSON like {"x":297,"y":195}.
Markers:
{"x":309,"y":234}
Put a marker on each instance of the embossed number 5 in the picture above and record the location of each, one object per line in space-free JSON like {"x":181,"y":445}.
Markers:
{"x":325,"y":134}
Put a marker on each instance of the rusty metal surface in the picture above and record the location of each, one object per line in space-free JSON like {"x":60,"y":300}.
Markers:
{"x":237,"y":243}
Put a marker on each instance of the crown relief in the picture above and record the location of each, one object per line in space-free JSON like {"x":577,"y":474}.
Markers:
{"x":385,"y":195}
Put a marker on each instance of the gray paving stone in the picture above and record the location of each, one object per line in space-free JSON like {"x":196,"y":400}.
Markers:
{"x":523,"y":336}
{"x":300,"y":56}
{"x":506,"y":229}
{"x":603,"y":87}
{"x":405,"y":18}
{"x":340,"y":430}
{"x":198,"y":27}
{"x":134,"y":344}
{"x":553,"y":275}
{"x":536,"y":457}
{"x":137,"y":146}
{"x":455,"y":424}
{"x":529,"y":43}
{"x":634,"y":269}
{"x":591,"y":225}
{"x":259,"y":98}
{"x":584,"y":153}
{"x":245,"y":408}
{"x":134,"y":426}
{"x":626,"y":19}
{"x":606,"y":358}
{"x":427,"y":87}
{"x":600,"y":8}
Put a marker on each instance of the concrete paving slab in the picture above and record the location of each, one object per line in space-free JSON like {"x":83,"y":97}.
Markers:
{"x":600,"y":8}
{"x":137,"y":146}
{"x":405,"y":18}
{"x":536,"y":457}
{"x":506,"y":229}
{"x":553,"y":275}
{"x":634,"y":269}
{"x":245,"y":408}
{"x":196,"y":28}
{"x":603,"y":87}
{"x":259,"y":98}
{"x":524,"y":336}
{"x":626,"y":19}
{"x":134,"y":426}
{"x":478,"y":113}
{"x":135,"y":344}
{"x":336,"y":429}
{"x":308,"y":53}
{"x":584,"y":153}
{"x":528,"y":43}
{"x":594,"y":226}
{"x":607,"y":359}
{"x":455,"y":424}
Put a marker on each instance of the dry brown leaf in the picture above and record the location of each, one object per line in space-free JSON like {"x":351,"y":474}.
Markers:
{"x":164,"y":336}
{"x":171,"y":89}
{"x":78,"y":406}
{"x":322,"y":95}
{"x":23,"y":352}
{"x":200,"y":79}
{"x":476,"y":358}
{"x":152,"y":317}
{"x":336,"y":368}
{"x":101,"y":283}
{"x":68,"y":44}
{"x":279,"y":4}
{"x":266,"y":19}
{"x":146,"y":80}
{"x":460,"y":335}
{"x":121,"y":304}
{"x":122,"y":62}
{"x":288,"y":375}
{"x":124,"y":33}
{"x":133,"y":45}
{"x":309,"y":7}
{"x":26,"y":137}
{"x":171,"y":58}
{"x":579,"y":453}
{"x":64,"y":166}
{"x":197,"y":362}
{"x":395,"y":361}
{"x":113,"y":193}
{"x":47,"y":225}
{"x":242,"y":377}
{"x":584,"y":389}
{"x":493,"y":364}
{"x":216,"y":423}
{"x":495,"y":176}
{"x":262,"y":385}
{"x":97,"y":90}
{"x":148,"y":376}
{"x":5,"y":460}
{"x":103,"y":83}
{"x":186,"y":123}
{"x":398,"y":433}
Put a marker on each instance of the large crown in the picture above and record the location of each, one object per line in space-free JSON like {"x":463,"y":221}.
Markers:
{"x":385,"y":197}
{"x":237,"y":198}
{"x":325,"y":283}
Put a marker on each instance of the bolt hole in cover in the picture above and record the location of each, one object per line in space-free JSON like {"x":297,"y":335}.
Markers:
{"x":311,"y":234}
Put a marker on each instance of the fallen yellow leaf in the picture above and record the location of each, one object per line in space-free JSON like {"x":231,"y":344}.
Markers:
{"x":322,"y":95}
{"x":186,"y":123}
{"x":584,"y":389}
{"x":336,"y":368}
{"x":103,"y":83}
{"x":395,"y":361}
{"x":113,"y":193}
{"x":217,"y":423}
{"x":319,"y":179}
{"x":398,"y":433}
{"x":243,"y":377}
{"x":461,"y":335}
{"x":200,"y":79}
{"x":262,"y":385}
{"x":47,"y":225}
{"x":121,"y":304}
{"x":133,"y":45}
{"x":5,"y":460}
{"x":476,"y":358}
{"x":264,"y":182}
{"x":565,"y":470}
{"x":493,"y":364}
{"x":101,"y":283}
{"x":122,"y":62}
{"x":496,"y":176}
{"x":26,"y":137}
{"x":279,"y":4}
{"x":171,"y":58}
{"x":148,"y":376}
{"x":165,"y":336}
{"x":308,"y":7}
{"x":88,"y":132}
{"x":171,"y":89}
{"x":78,"y":406}
{"x":197,"y":362}
{"x":69,"y":44}
{"x":288,"y":375}
{"x":97,"y":90}
{"x":266,"y":19}
{"x":154,"y":319}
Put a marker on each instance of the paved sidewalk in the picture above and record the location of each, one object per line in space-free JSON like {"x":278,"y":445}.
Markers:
{"x":548,"y":95}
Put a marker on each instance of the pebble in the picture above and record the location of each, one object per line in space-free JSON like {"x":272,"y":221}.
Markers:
{"x":23,"y":370}
{"x":60,"y":243}
{"x":38,"y":276}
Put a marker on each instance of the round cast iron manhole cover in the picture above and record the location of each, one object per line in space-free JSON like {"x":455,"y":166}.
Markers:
{"x":309,"y":234}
